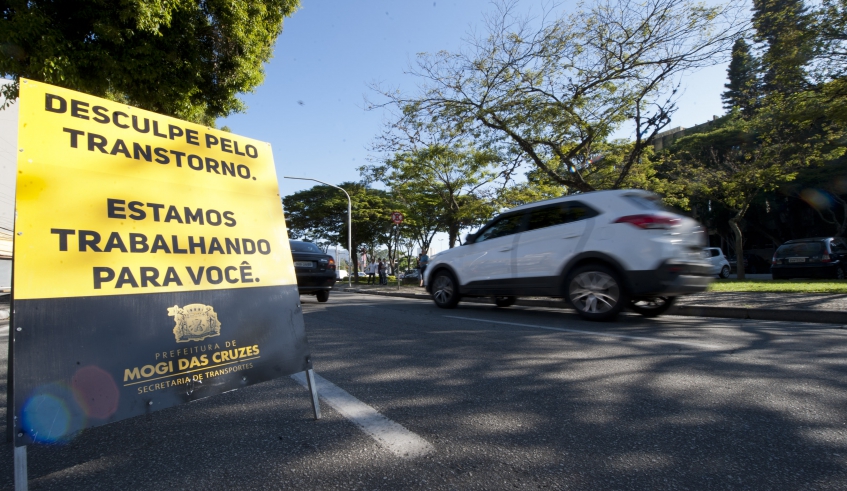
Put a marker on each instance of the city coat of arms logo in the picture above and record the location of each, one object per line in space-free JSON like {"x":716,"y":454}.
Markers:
{"x":194,"y":322}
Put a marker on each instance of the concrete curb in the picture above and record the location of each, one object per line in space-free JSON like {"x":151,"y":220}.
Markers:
{"x":814,"y":316}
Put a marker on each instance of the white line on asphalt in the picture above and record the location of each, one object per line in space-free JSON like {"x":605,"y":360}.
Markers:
{"x":393,"y":436}
{"x":590,"y":333}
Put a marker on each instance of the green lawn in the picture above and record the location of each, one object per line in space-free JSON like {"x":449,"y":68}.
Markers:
{"x":777,"y":286}
{"x":764,"y":286}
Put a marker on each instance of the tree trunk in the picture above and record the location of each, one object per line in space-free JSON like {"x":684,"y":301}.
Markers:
{"x":739,"y":246}
{"x":354,"y":256}
{"x":452,"y":234}
{"x":391,"y":251}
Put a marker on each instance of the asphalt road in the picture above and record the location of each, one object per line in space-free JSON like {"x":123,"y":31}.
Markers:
{"x":518,"y":398}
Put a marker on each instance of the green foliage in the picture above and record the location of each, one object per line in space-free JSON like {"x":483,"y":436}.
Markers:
{"x":184,"y":58}
{"x":742,"y":89}
{"x":785,"y":27}
{"x":831,"y":29}
{"x":446,"y":185}
{"x":320,"y":214}
{"x":779,"y":286}
{"x":317,"y":214}
{"x":552,"y":92}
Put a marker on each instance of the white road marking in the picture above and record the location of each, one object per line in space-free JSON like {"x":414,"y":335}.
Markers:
{"x":392,"y":436}
{"x":589,"y":333}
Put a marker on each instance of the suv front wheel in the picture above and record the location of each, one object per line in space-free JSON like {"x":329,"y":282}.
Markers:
{"x":596,"y":292}
{"x":445,"y":291}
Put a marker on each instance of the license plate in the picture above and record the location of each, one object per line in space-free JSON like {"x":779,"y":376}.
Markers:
{"x":796,"y":259}
{"x":304,"y":264}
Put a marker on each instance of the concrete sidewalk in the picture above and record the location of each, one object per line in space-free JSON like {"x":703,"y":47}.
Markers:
{"x":794,"y":307}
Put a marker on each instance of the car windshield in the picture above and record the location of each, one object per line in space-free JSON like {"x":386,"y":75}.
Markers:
{"x":297,"y":246}
{"x":799,"y":249}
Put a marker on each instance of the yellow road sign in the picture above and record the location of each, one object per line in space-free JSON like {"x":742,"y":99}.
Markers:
{"x":115,"y":200}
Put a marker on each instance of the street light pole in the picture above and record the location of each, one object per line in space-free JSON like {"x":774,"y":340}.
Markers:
{"x":349,"y":224}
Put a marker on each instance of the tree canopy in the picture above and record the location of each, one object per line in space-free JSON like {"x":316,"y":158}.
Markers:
{"x":320,"y":214}
{"x":553,"y":90}
{"x":185,"y":58}
{"x":457,"y":179}
{"x":782,"y":122}
{"x":742,"y":88}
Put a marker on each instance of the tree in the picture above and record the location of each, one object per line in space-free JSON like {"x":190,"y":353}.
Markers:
{"x":459,"y":176}
{"x":422,"y":215}
{"x":742,"y":89}
{"x":785,"y":27}
{"x":316,"y":214}
{"x":739,"y":159}
{"x":320,"y":214}
{"x":831,"y":27}
{"x":184,"y":58}
{"x":552,"y":91}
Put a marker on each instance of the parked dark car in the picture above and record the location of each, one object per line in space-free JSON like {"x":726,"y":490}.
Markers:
{"x":412,"y":276}
{"x":817,"y":257}
{"x":753,"y":264}
{"x":314,"y":268}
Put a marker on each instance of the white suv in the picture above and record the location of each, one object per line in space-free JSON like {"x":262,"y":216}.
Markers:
{"x":601,"y":251}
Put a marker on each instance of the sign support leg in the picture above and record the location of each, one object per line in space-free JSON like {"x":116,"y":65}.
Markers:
{"x":20,"y":469}
{"x":313,"y":389}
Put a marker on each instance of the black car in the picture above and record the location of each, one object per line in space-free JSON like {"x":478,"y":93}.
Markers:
{"x":314,"y":268}
{"x":818,"y":257}
{"x":412,"y":276}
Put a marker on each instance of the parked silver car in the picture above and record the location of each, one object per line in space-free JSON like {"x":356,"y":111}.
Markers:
{"x":719,"y":263}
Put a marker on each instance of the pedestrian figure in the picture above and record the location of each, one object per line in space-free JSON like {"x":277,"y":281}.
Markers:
{"x":383,"y":279}
{"x":371,"y":271}
{"x":423,"y":260}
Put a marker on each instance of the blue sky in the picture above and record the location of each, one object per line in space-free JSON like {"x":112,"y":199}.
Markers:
{"x":311,"y":105}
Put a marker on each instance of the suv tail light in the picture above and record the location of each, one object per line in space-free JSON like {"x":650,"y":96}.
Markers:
{"x":649,"y":222}
{"x":774,"y":260}
{"x":825,"y":258}
{"x":331,"y":264}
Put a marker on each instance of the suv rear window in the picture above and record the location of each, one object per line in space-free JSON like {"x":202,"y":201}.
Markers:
{"x":549,"y":216}
{"x":799,"y":249}
{"x":645,"y":202}
{"x":298,"y":246}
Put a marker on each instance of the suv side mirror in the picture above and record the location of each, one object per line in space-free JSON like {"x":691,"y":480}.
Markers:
{"x":470,"y":238}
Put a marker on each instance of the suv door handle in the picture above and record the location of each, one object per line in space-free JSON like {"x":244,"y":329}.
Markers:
{"x":507,"y":249}
{"x":570,"y":237}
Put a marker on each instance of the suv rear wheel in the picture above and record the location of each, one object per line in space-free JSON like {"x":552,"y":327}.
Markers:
{"x":651,"y":307}
{"x":596,"y":292}
{"x":322,"y":295}
{"x":445,"y":291}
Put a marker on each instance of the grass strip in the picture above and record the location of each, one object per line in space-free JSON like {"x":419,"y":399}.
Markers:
{"x":779,"y":286}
